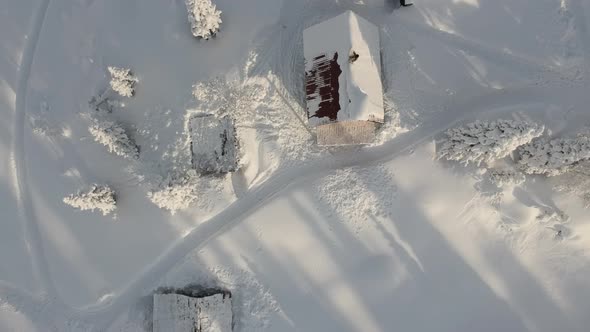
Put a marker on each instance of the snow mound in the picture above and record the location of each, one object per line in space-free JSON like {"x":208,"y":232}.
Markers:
{"x":176,"y":193}
{"x":357,"y":194}
{"x":122,"y":81}
{"x":203,"y":17}
{"x":98,"y":197}
{"x":485,"y":142}
{"x":114,"y":137}
{"x":553,"y":157}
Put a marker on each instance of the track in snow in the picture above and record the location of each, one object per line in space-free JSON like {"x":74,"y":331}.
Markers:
{"x":26,"y":211}
{"x":105,"y":312}
{"x":241,"y":209}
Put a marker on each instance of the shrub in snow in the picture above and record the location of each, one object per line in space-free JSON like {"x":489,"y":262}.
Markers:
{"x":114,"y":137}
{"x":122,"y":81}
{"x":175,"y":193}
{"x":96,"y":198}
{"x":484,"y":142}
{"x":553,"y":157}
{"x":203,"y":17}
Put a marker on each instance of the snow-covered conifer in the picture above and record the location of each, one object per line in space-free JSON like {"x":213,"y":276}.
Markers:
{"x":203,"y":17}
{"x":122,"y":81}
{"x":96,"y":198}
{"x":484,"y":142}
{"x":114,"y":137}
{"x":175,"y":193}
{"x":553,"y":157}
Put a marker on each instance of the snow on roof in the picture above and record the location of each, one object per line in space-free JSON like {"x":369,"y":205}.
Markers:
{"x":213,"y":144}
{"x":179,"y":313}
{"x":343,"y":70}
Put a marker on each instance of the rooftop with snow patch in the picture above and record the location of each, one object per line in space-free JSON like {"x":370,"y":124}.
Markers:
{"x":343,"y":73}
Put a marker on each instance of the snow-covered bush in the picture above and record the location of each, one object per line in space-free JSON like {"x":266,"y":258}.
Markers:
{"x":175,"y":193}
{"x":484,"y":142}
{"x":203,"y":17}
{"x":98,"y":197}
{"x":122,"y":81}
{"x":553,"y":157}
{"x":114,"y":137}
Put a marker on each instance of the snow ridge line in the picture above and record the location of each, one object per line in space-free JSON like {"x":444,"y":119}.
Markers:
{"x":248,"y":204}
{"x":28,"y":219}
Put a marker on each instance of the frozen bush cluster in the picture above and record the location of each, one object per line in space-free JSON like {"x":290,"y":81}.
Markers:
{"x":553,"y":157}
{"x":122,"y":81}
{"x":175,"y":193}
{"x":114,"y":137}
{"x":484,"y":142}
{"x":203,"y":17}
{"x":98,"y":197}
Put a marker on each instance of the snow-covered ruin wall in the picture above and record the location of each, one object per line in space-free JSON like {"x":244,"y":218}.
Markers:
{"x":180,"y":313}
{"x":213,"y":144}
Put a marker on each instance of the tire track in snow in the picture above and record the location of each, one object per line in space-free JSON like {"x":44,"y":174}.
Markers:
{"x":37,"y":310}
{"x":28,"y":218}
{"x":239,"y":210}
{"x":105,"y":312}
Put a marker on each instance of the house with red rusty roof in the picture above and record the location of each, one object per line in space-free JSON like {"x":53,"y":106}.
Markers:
{"x":343,"y":80}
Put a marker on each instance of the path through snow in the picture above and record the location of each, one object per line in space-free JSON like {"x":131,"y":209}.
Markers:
{"x":104,"y":312}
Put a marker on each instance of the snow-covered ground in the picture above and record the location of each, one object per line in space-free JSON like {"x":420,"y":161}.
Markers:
{"x":379,"y":238}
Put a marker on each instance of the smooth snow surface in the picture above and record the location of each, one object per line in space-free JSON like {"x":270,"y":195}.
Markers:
{"x":375,"y":238}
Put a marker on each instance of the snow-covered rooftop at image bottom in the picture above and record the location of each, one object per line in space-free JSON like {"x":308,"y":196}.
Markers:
{"x":180,"y":313}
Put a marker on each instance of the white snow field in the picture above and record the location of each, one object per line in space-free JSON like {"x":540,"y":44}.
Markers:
{"x":377,"y":238}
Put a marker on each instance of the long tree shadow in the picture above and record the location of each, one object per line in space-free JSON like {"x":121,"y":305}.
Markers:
{"x":448,"y":278}
{"x":421,"y":300}
{"x":304,"y":299}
